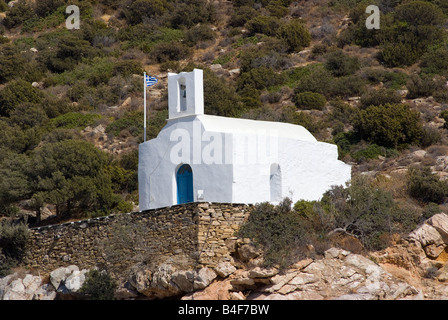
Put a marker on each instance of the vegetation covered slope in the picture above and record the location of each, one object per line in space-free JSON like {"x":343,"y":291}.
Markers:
{"x":71,"y":101}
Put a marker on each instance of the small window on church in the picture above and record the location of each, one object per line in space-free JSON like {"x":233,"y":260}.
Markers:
{"x":183,"y":97}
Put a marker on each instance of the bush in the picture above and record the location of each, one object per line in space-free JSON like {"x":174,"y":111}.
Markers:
{"x":144,"y":10}
{"x":435,"y":61}
{"x":169,"y":51}
{"x":278,"y":230}
{"x":419,"y":13}
{"x":13,"y":243}
{"x":423,"y":85}
{"x":16,"y":92}
{"x":99,"y":286}
{"x":126,"y":68}
{"x":295,"y":35}
{"x":241,"y":15}
{"x":220,"y":97}
{"x":364,"y":211}
{"x":388,"y":125}
{"x":187,"y":13}
{"x":340,"y":64}
{"x":72,"y":120}
{"x":70,"y":51}
{"x":263,"y":24}
{"x":71,"y":175}
{"x":18,"y":14}
{"x":45,"y":7}
{"x":310,"y":100}
{"x":259,"y":78}
{"x":380,"y":97}
{"x":314,"y":79}
{"x":425,"y":186}
{"x":202,"y":32}
{"x":430,"y":136}
{"x":399,"y":54}
{"x":12,"y":64}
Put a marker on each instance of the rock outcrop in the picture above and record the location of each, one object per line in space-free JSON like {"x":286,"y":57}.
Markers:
{"x":413,"y":268}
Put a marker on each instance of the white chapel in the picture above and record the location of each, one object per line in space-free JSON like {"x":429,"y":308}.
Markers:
{"x":199,"y":157}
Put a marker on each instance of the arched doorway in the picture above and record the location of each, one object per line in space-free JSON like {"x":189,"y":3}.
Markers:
{"x":184,"y":178}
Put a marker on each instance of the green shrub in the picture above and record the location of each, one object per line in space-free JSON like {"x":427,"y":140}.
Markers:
{"x":388,"y":125}
{"x":315,"y":79}
{"x":131,"y":121}
{"x":143,"y":10}
{"x":341,"y":111}
{"x":202,"y":32}
{"x":341,"y":64}
{"x":278,"y":8}
{"x":435,"y":61}
{"x":295,"y":35}
{"x":399,"y":54}
{"x":74,"y":120}
{"x":45,"y":7}
{"x":263,"y":24}
{"x":419,"y":13}
{"x":423,"y":85}
{"x":12,"y":64}
{"x":260,"y":78}
{"x":414,"y":29}
{"x":241,"y":15}
{"x":71,"y":175}
{"x":444,"y":116}
{"x":278,"y":230}
{"x":380,"y":97}
{"x":70,"y":51}
{"x":430,"y":136}
{"x":18,"y":14}
{"x":3,"y":6}
{"x":425,"y":186}
{"x":220,"y":97}
{"x":28,"y":115}
{"x":13,"y":244}
{"x":364,"y":211}
{"x":169,"y":51}
{"x":16,"y":92}
{"x":126,"y":68}
{"x":187,"y":13}
{"x":310,"y":100}
{"x":99,"y":286}
{"x":346,"y":86}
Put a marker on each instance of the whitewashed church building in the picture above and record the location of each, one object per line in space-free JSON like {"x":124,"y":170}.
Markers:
{"x":199,"y":157}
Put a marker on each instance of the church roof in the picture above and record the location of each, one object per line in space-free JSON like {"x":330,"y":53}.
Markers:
{"x":235,"y":125}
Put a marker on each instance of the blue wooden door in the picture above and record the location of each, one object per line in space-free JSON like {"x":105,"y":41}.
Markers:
{"x":184,"y":179}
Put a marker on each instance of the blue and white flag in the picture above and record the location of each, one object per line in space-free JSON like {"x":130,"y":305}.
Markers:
{"x":150,"y":81}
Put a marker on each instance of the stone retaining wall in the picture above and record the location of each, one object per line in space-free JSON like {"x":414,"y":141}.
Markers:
{"x":193,"y":234}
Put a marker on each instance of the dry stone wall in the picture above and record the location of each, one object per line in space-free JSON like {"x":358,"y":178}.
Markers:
{"x":192,"y":235}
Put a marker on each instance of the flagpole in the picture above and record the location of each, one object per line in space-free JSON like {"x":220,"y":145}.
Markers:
{"x":144,"y":106}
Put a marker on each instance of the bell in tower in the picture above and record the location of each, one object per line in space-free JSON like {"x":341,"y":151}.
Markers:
{"x":180,"y":102}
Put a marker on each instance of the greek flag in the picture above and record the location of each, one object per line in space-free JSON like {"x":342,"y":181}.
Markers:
{"x":150,"y":81}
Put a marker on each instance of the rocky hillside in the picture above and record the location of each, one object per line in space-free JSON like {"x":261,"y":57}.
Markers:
{"x":415,"y":268}
{"x":71,"y":108}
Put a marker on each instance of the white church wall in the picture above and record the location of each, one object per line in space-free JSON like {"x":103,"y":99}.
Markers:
{"x":181,"y":141}
{"x":310,"y":169}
